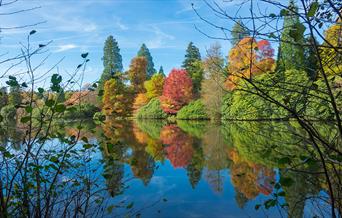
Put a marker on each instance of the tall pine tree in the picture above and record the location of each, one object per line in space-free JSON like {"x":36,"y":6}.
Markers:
{"x":291,"y":52}
{"x":112,"y":61}
{"x":144,"y":52}
{"x":193,"y":65}
{"x":239,"y":31}
{"x":161,"y":71}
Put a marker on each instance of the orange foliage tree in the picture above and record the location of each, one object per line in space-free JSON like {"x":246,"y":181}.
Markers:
{"x":137,"y":73}
{"x":114,"y":99}
{"x":177,"y":91}
{"x":139,"y":101}
{"x":179,"y":150}
{"x":249,"y":58}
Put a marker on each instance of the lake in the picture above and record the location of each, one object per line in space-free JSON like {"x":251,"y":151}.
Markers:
{"x":152,"y":168}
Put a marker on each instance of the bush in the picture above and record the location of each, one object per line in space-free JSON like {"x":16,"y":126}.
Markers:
{"x":80,"y":111}
{"x":151,"y":111}
{"x":246,"y":104}
{"x":8,"y":112}
{"x":195,"y":110}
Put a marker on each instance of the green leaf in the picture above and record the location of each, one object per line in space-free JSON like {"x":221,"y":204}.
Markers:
{"x":1,"y":118}
{"x":282,"y":193}
{"x":85,"y":139}
{"x":87,"y":146}
{"x":49,"y":103}
{"x":56,"y":79}
{"x":84,"y":55}
{"x":286,"y":181}
{"x":270,"y":203}
{"x":28,"y":109}
{"x":25,"y":119}
{"x":79,"y":66}
{"x":40,"y":90}
{"x":41,"y":45}
{"x":313,"y":8}
{"x":272,"y":15}
{"x":33,"y":32}
{"x":24,"y":85}
{"x":60,"y":108}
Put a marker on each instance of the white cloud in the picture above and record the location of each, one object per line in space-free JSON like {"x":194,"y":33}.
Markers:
{"x":66,"y":47}
{"x":160,"y":38}
{"x":118,"y":23}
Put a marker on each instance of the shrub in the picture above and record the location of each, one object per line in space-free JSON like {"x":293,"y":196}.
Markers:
{"x":99,"y":117}
{"x":152,"y":110}
{"x":81,"y":111}
{"x":193,"y":111}
{"x":8,"y":112}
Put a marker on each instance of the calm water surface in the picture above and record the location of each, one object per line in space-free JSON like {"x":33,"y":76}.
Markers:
{"x":198,"y":169}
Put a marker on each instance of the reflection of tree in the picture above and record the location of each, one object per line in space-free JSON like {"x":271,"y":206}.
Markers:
{"x":303,"y":186}
{"x":240,"y":198}
{"x":216,"y":157}
{"x":250,"y":179}
{"x":142,"y":165}
{"x":179,"y":150}
{"x":192,"y":127}
{"x":150,"y":127}
{"x":194,"y":169}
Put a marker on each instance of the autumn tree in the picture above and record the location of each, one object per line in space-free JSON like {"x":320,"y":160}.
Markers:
{"x":137,"y":73}
{"x":247,"y":59}
{"x":154,"y":86}
{"x":112,"y":61}
{"x":291,"y":52}
{"x":239,"y":31}
{"x":139,"y":101}
{"x":114,"y":99}
{"x":144,"y":52}
{"x":177,"y":91}
{"x":213,"y":82}
{"x":332,"y":54}
{"x":192,"y":64}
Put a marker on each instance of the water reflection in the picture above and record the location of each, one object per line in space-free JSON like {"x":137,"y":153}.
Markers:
{"x":228,"y":168}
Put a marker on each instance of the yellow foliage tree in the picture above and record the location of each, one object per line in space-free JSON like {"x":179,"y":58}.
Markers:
{"x":331,"y":52}
{"x":139,"y":101}
{"x":154,"y":86}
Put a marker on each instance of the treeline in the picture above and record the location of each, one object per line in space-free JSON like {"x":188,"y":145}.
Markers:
{"x":215,"y":88}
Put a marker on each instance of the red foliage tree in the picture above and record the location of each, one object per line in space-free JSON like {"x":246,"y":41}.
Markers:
{"x":177,"y":91}
{"x":179,"y":150}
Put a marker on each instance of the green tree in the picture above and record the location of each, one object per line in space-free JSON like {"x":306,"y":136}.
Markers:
{"x":239,"y":31}
{"x":14,"y":96}
{"x":161,"y":71}
{"x":291,"y":53}
{"x":112,"y":61}
{"x":192,"y":64}
{"x":3,"y":97}
{"x":212,"y":85}
{"x":144,"y":52}
{"x":311,"y":59}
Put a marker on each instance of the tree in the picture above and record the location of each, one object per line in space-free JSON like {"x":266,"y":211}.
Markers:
{"x":144,"y":52}
{"x":3,"y":97}
{"x":112,"y":61}
{"x":247,"y":59}
{"x":212,"y":85}
{"x":239,"y":31}
{"x":161,"y":71}
{"x":137,"y":73}
{"x":14,"y":96}
{"x":332,"y":54}
{"x":177,"y":91}
{"x":310,"y":58}
{"x":192,"y":64}
{"x":154,"y":86}
{"x":291,"y":54}
{"x":139,"y":101}
{"x":114,"y":99}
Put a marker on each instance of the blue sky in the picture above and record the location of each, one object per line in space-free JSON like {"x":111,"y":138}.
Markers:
{"x":77,"y":26}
